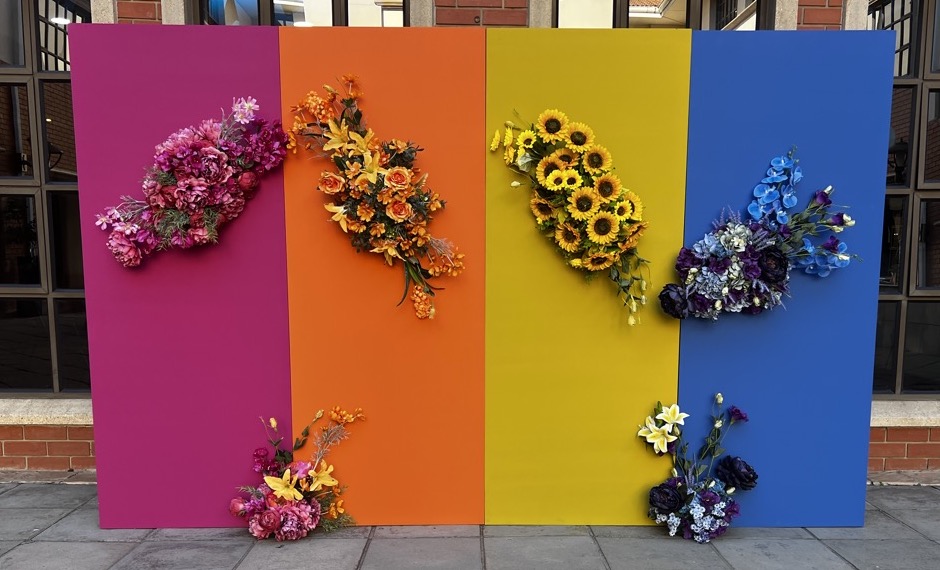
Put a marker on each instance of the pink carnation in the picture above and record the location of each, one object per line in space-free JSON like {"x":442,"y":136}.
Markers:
{"x":124,"y":250}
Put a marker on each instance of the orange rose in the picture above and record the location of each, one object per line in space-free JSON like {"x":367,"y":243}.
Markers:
{"x":331,"y":183}
{"x":398,"y":178}
{"x":399,"y":211}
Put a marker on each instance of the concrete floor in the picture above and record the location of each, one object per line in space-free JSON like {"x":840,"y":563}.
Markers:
{"x":54,"y":525}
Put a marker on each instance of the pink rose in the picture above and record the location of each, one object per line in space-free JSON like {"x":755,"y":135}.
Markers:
{"x":237,"y":507}
{"x":247,"y":181}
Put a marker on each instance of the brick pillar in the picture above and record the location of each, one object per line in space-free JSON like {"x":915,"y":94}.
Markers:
{"x":819,"y":15}
{"x":481,"y":12}
{"x":139,"y":12}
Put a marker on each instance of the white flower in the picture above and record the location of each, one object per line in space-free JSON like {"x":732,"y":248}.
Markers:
{"x":516,"y":184}
{"x":642,"y":284}
{"x":849,"y":222}
{"x":719,"y":399}
{"x":672,"y":415}
{"x":643,"y":299}
{"x":631,"y":320}
{"x":729,"y":490}
{"x":718,"y":424}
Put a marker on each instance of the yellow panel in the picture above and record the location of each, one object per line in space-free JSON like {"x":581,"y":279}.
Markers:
{"x":567,"y":381}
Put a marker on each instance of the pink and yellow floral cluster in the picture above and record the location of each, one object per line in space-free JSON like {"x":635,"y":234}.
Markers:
{"x":376,"y":193}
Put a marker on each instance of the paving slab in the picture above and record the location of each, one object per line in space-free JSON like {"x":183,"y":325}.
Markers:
{"x":878,"y":526}
{"x":543,"y":553}
{"x":47,"y":496}
{"x":22,"y":524}
{"x":781,"y":532}
{"x":667,"y":553}
{"x":81,"y":525}
{"x":894,"y":554}
{"x":609,"y":531}
{"x":512,"y":530}
{"x":777,"y":554}
{"x":4,"y":487}
{"x":898,"y":498}
{"x":184,"y":555}
{"x":190,"y":534}
{"x":6,"y":545}
{"x":423,"y":554}
{"x":65,"y":555}
{"x":926,"y":522}
{"x":441,"y":531}
{"x":83,"y":478}
{"x":348,"y":532}
{"x":332,"y":553}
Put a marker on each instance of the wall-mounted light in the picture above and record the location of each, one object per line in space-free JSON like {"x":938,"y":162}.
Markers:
{"x":60,"y":21}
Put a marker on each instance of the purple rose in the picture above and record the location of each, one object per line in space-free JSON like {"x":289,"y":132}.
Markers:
{"x":735,"y":472}
{"x":736,"y":414}
{"x":774,"y":265}
{"x":673,"y":301}
{"x":665,"y":499}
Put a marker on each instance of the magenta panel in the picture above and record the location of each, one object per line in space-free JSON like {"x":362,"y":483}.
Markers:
{"x":188,"y":350}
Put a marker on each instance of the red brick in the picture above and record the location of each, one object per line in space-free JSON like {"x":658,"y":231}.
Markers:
{"x":83,"y":463}
{"x":86,"y":433}
{"x":450,"y":3}
{"x":515,"y":3}
{"x":887,"y":450}
{"x":69,"y":448}
{"x":45,"y":433}
{"x":923,"y":450}
{"x":505,"y":17}
{"x":877,"y":435}
{"x":16,"y":432}
{"x":876,"y":464}
{"x":907,"y":434}
{"x":935,"y":434}
{"x":137,"y":10}
{"x":24,"y":448}
{"x":457,"y":17}
{"x":802,"y":27}
{"x":898,"y":464}
{"x":803,"y":3}
{"x":48,"y":463}
{"x":933,"y":463}
{"x":480,"y":3}
{"x":835,"y":3}
{"x":822,"y":16}
{"x":12,"y":463}
{"x":834,"y":28}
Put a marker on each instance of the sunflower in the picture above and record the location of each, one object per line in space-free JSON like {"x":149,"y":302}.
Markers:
{"x":568,"y":237}
{"x":632,"y":235}
{"x":636,"y":206}
{"x":495,"y":144}
{"x":553,"y":125}
{"x":507,"y":138}
{"x":509,"y":155}
{"x":583,"y":204}
{"x":597,"y":260}
{"x":596,"y":159}
{"x":571,"y":178}
{"x":546,"y":166}
{"x":623,"y":210}
{"x":566,"y":156}
{"x":602,"y":228}
{"x":541,"y":209}
{"x":526,"y":139}
{"x":580,"y":137}
{"x":556,"y":180}
{"x":607,"y":186}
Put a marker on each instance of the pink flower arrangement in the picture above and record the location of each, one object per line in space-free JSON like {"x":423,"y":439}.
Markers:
{"x":200,"y":180}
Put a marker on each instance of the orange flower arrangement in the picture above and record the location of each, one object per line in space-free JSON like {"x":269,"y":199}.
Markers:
{"x":377,"y":195}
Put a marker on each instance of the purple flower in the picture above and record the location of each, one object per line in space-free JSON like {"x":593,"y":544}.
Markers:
{"x":735,"y":472}
{"x":686,"y":260}
{"x":831,"y":244}
{"x":717,"y":265}
{"x":709,"y":499}
{"x":822,"y":198}
{"x":673,"y":301}
{"x":785,"y":231}
{"x":665,"y":499}
{"x":732,"y":509}
{"x":774,"y":265}
{"x":736,"y":414}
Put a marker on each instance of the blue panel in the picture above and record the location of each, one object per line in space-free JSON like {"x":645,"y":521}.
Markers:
{"x":804,"y":372}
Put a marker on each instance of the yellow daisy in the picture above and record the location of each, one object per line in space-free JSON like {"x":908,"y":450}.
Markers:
{"x":526,"y":139}
{"x":553,"y":125}
{"x":602,"y":228}
{"x":580,"y":137}
{"x":545,"y":167}
{"x":623,"y":210}
{"x":636,"y":206}
{"x":556,"y":180}
{"x":596,"y":159}
{"x":541,"y":209}
{"x":568,"y":238}
{"x":567,"y":157}
{"x":596,"y":261}
{"x":607,"y":187}
{"x":583,"y":204}
{"x":495,"y":144}
{"x":571,"y":178}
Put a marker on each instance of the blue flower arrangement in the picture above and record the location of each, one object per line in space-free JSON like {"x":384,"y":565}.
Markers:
{"x":743,"y":266}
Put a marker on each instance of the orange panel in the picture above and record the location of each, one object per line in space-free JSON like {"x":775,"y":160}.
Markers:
{"x":418,"y":459}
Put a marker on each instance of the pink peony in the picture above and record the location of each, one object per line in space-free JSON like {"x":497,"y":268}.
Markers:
{"x":214,"y":167}
{"x":124,"y":250}
{"x":237,"y":507}
{"x":210,"y":130}
{"x":296,"y":521}
{"x":247,"y":181}
{"x":262,"y":525}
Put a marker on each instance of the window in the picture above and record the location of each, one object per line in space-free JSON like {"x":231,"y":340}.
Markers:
{"x":375,"y":13}
{"x":43,"y":336}
{"x":696,"y":14}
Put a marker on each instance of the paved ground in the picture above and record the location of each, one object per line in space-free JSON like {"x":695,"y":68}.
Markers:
{"x":55,"y":526}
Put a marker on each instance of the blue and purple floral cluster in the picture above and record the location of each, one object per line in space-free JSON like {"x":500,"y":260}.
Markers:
{"x":743,"y":266}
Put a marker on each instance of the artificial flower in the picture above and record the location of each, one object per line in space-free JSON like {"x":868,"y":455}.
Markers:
{"x":608,"y":187}
{"x":580,"y":137}
{"x":322,"y":477}
{"x":495,"y":144}
{"x":596,"y":159}
{"x":526,"y":139}
{"x":636,"y":206}
{"x":602,"y":228}
{"x":542,"y":210}
{"x":596,"y":261}
{"x":672,"y":415}
{"x":583,"y":203}
{"x":656,"y":435}
{"x":546,"y":167}
{"x":552,"y":125}
{"x":567,"y":237}
{"x":284,"y":486}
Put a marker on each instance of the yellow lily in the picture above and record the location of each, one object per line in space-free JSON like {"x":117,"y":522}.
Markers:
{"x":388,"y":249}
{"x":672,"y":415}
{"x":362,"y":143}
{"x":339,"y":214}
{"x":283,"y":487}
{"x":323,"y":478}
{"x":370,"y":166}
{"x":658,"y":436}
{"x":338,"y":136}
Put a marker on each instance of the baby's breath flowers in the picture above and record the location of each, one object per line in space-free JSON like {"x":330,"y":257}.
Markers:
{"x":578,"y":201}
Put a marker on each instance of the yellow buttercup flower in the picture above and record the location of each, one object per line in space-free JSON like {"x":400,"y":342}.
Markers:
{"x":526,"y":139}
{"x":596,"y":261}
{"x":545,"y":167}
{"x":495,"y":144}
{"x":556,"y":180}
{"x":542,"y":210}
{"x":602,"y":228}
{"x":322,"y":477}
{"x":283,"y":486}
{"x":580,"y":137}
{"x":636,"y":206}
{"x":596,"y":159}
{"x":552,"y":125}
{"x":571,"y":178}
{"x":583,"y":204}
{"x":607,"y":186}
{"x":568,"y":238}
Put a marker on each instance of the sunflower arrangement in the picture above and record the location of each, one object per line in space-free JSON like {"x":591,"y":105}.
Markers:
{"x":376,"y":194}
{"x":578,"y":201}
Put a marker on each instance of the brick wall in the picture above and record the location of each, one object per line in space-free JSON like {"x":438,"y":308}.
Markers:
{"x":139,"y":12}
{"x":904,"y":448}
{"x":819,"y":15}
{"x":481,"y":12}
{"x":47,"y":448}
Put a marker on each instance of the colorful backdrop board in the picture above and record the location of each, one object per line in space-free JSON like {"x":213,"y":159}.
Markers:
{"x":802,"y":373}
{"x":418,"y":459}
{"x":567,"y":379}
{"x":189,"y":349}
